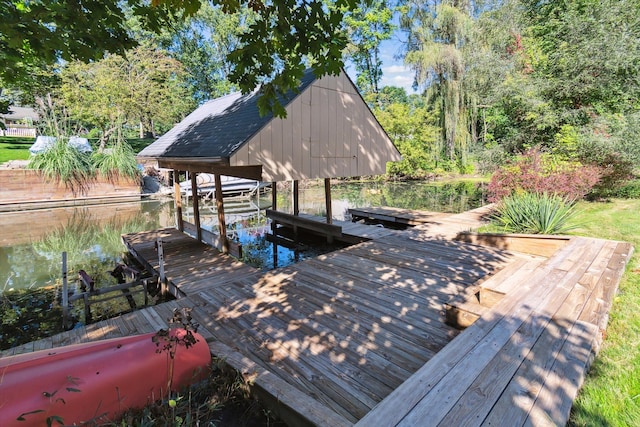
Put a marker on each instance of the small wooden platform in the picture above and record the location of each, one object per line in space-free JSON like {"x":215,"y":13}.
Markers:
{"x":388,"y":215}
{"x":189,"y":264}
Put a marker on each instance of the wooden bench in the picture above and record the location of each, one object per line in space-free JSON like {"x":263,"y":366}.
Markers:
{"x":523,"y":361}
{"x":296,"y":221}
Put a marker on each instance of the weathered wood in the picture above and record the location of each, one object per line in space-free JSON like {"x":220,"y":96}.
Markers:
{"x":534,"y":244}
{"x":305,"y":223}
{"x":390,"y":215}
{"x":335,"y":335}
{"x":86,"y":281}
{"x":291,"y":406}
{"x":222,"y":225}
{"x":196,"y":205}
{"x":177,"y":196}
{"x":24,"y":189}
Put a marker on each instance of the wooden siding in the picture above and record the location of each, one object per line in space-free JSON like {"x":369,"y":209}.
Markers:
{"x":329,"y":132}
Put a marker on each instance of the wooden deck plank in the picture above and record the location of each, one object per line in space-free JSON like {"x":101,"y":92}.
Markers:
{"x":475,"y":403}
{"x":442,"y":398}
{"x":315,"y":347}
{"x":354,"y":331}
{"x":396,"y":215}
{"x":471,"y":342}
{"x":292,"y":405}
{"x":351,"y":330}
{"x":290,"y":360}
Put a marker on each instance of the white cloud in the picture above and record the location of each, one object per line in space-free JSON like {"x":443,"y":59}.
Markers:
{"x":392,"y":69}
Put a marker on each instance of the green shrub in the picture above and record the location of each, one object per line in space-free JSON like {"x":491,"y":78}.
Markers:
{"x":533,"y":213}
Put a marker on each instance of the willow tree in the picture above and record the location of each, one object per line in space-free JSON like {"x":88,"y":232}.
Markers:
{"x":438,"y":31}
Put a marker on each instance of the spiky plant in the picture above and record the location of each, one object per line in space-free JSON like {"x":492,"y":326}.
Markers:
{"x":64,"y":163}
{"x":61,"y":162}
{"x":534,"y":213}
{"x":118,"y":160}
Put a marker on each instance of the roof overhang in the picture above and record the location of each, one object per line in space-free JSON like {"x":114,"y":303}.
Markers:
{"x":219,"y":166}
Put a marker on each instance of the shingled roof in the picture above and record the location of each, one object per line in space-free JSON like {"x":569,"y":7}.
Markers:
{"x":218,"y":128}
{"x":329,"y":132}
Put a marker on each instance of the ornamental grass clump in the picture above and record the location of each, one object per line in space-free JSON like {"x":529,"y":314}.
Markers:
{"x":65,"y":163}
{"x":117,"y":161}
{"x":532,"y":213}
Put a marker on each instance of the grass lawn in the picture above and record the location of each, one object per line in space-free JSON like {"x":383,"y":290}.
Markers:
{"x":14,"y":148}
{"x":18,"y":148}
{"x":611,"y":393}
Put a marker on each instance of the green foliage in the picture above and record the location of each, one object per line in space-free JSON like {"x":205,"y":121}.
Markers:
{"x":202,"y":44}
{"x":438,"y":34}
{"x":145,"y":86}
{"x":413,"y":131}
{"x":43,"y":32}
{"x":367,"y":26}
{"x":63,"y":162}
{"x":532,"y":213}
{"x":117,"y":161}
{"x":286,"y":36}
{"x":273,"y":50}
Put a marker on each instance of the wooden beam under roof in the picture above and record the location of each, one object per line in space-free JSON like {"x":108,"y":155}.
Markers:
{"x":219,"y":167}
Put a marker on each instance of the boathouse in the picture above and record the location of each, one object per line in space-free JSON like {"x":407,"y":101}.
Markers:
{"x":329,"y":132}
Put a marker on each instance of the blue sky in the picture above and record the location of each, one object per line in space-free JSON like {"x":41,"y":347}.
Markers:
{"x":394,"y":73}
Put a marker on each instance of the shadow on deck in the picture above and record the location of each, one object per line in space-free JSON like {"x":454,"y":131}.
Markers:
{"x":360,"y":335}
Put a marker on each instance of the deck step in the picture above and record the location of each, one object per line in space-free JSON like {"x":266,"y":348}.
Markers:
{"x":513,"y":275}
{"x":462,"y":314}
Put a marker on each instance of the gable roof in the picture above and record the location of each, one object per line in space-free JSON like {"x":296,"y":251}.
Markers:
{"x":218,"y":128}
{"x":329,"y":132}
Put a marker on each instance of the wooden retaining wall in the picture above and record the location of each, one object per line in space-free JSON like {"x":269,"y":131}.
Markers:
{"x":23,"y":189}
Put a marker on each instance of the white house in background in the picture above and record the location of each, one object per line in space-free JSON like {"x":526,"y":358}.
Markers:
{"x":20,"y":121}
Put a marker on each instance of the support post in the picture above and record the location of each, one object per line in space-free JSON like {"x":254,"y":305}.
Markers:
{"x":163,"y":278}
{"x":327,"y":200}
{"x":222,"y":225}
{"x":274,"y":205}
{"x":178,"y":199}
{"x":296,"y":207}
{"x":296,"y":198}
{"x":274,"y":224}
{"x":65,"y":293}
{"x":196,"y":205}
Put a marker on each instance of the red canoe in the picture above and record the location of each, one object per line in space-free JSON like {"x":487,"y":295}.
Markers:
{"x":96,"y":382}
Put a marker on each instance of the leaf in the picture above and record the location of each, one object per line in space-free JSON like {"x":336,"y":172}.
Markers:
{"x":21,"y":417}
{"x":55,"y":418}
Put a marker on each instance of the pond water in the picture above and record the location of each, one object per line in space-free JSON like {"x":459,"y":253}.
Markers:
{"x":32,"y":242}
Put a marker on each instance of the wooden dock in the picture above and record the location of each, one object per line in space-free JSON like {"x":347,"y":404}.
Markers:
{"x":391,"y":216}
{"x":359,"y":335}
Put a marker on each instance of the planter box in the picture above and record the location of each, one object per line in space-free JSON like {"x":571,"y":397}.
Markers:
{"x":23,"y":189}
{"x":534,"y":244}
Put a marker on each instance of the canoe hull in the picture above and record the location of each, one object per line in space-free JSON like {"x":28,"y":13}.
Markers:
{"x":98,"y":381}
